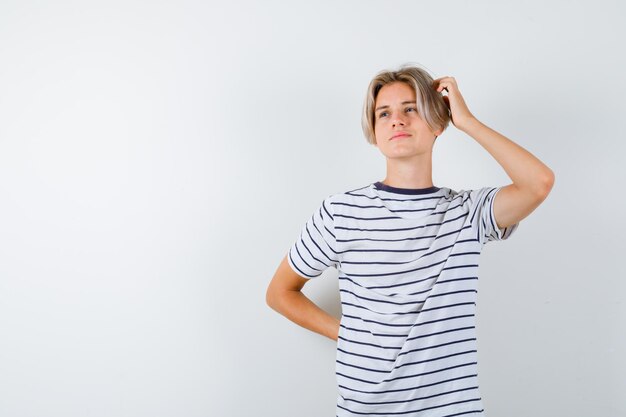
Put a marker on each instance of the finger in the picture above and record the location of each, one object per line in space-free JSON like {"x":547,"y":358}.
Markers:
{"x":443,"y":86}
{"x":446,"y":81}
{"x":439,"y":81}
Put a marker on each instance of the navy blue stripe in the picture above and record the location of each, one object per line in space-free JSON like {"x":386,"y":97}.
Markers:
{"x":299,"y":270}
{"x":343,"y":277}
{"x":400,"y":303}
{"x":449,"y":293}
{"x":466,"y":352}
{"x":407,"y":250}
{"x":445,"y":281}
{"x":483,"y":205}
{"x":415,"y":399}
{"x":458,"y":329}
{"x":357,"y":189}
{"x":321,"y":238}
{"x":402,"y":336}
{"x":326,"y":241}
{"x":464,"y":412}
{"x":356,"y":342}
{"x":483,"y":231}
{"x":345,"y":303}
{"x":326,"y":210}
{"x":426,"y":290}
{"x":360,"y":229}
{"x":423,"y":323}
{"x":390,"y":285}
{"x":359,"y":206}
{"x":490,"y":202}
{"x":454,"y":342}
{"x":437,"y":199}
{"x":419,"y":281}
{"x":386,"y":371}
{"x":369,"y":413}
{"x":406,"y":376}
{"x":302,"y":243}
{"x":480,"y":204}
{"x":378,"y":358}
{"x":410,"y":238}
{"x":310,"y":253}
{"x":404,"y":271}
{"x":432,"y":384}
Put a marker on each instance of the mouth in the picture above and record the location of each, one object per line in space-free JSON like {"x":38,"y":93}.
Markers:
{"x":399,"y":135}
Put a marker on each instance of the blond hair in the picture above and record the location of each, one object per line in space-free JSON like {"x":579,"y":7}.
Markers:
{"x":430,"y":104}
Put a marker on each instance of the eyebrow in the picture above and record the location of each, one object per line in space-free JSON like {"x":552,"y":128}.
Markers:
{"x":386,"y":107}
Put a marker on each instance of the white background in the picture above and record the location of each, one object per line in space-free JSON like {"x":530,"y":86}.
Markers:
{"x":158,"y":159}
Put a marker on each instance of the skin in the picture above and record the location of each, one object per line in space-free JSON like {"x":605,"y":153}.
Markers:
{"x":409,"y":165}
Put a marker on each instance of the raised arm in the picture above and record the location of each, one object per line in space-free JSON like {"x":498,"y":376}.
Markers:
{"x":532,"y":179}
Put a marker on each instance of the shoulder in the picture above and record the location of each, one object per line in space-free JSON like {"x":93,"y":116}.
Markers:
{"x":349,"y":196}
{"x":475,"y":195}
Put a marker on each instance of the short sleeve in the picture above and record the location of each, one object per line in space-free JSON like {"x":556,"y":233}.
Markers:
{"x":483,"y":218}
{"x":314,"y":250}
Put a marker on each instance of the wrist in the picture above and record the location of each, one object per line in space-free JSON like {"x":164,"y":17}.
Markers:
{"x":469,"y":124}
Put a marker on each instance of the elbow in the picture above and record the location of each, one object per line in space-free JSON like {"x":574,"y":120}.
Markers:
{"x":547,"y":183}
{"x":541,"y":184}
{"x":269,"y":297}
{"x":273,"y":297}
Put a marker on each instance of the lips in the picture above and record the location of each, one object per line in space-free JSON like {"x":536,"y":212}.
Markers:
{"x":399,"y":135}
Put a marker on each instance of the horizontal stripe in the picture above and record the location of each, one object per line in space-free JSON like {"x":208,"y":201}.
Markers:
{"x":421,"y":323}
{"x":444,"y":381}
{"x":418,"y":398}
{"x":408,"y":376}
{"x":430,"y":359}
{"x":373,"y":300}
{"x":410,"y":312}
{"x":410,"y":411}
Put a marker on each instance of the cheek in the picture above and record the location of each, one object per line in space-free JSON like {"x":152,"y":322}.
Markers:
{"x":379,"y":131}
{"x":377,"y":134}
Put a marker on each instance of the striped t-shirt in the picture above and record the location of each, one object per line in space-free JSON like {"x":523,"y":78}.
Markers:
{"x":408,"y":280}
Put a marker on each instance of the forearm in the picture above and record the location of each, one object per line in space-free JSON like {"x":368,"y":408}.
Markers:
{"x":525,"y":170}
{"x":299,"y":309}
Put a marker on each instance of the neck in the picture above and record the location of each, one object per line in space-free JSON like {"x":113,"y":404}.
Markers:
{"x":412,"y":173}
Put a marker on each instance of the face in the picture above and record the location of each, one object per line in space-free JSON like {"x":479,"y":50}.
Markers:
{"x":396,"y":114}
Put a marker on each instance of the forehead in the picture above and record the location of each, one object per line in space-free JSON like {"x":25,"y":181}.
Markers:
{"x":394,"y":93}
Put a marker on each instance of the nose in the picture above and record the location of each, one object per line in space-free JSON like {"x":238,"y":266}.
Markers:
{"x":398,"y":119}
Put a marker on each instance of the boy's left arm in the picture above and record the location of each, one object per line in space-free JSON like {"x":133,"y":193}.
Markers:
{"x":532,"y":179}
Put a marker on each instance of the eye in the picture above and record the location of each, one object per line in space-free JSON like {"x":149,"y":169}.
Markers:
{"x":412,"y":108}
{"x":381,"y":114}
